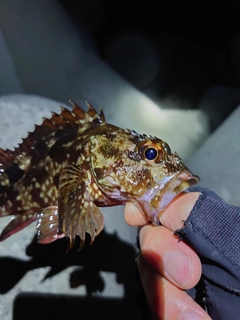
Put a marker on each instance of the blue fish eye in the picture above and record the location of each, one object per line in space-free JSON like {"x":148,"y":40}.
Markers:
{"x":151,"y":153}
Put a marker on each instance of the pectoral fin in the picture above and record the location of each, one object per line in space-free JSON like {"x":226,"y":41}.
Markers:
{"x":77,"y":212}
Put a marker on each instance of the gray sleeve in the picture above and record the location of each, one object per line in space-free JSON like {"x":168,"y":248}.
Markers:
{"x":212,"y":230}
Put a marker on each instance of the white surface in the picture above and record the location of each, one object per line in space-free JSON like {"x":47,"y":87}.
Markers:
{"x":217,"y":161}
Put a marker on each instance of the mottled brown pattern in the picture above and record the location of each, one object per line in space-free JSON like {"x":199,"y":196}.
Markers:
{"x":74,"y":163}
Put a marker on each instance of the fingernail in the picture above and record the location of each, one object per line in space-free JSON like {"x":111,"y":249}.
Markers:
{"x":177,"y":266}
{"x":190,"y":316}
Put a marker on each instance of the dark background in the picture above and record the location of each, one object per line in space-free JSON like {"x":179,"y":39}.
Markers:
{"x":194,"y":45}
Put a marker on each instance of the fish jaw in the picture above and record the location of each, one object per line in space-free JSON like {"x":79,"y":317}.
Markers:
{"x":155,"y":200}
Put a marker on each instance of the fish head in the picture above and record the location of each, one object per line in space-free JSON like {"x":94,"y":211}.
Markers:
{"x":128,"y":166}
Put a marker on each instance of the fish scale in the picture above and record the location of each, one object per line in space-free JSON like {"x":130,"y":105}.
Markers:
{"x":74,"y":163}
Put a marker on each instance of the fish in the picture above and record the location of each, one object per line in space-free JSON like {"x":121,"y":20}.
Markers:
{"x":73,"y":164}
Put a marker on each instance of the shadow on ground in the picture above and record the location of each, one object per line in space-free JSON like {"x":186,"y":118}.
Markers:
{"x":108,"y":253}
{"x":43,"y":306}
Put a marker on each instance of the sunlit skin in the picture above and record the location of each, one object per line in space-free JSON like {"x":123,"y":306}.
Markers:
{"x":166,"y":265}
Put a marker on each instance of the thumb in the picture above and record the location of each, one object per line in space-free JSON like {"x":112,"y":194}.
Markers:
{"x":174,"y":216}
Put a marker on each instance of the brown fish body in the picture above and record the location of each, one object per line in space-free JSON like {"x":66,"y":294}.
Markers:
{"x":75,"y":163}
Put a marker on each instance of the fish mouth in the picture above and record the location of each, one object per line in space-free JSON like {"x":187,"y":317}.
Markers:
{"x":183,"y":181}
{"x":176,"y":184}
{"x":179,"y":183}
{"x":154,"y":202}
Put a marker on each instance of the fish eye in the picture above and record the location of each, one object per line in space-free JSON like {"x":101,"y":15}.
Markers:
{"x":151,"y":153}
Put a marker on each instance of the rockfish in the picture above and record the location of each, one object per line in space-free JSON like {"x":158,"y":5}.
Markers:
{"x":74,"y":163}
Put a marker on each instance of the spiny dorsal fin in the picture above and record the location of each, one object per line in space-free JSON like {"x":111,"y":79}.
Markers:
{"x":52,"y":129}
{"x":6,"y":157}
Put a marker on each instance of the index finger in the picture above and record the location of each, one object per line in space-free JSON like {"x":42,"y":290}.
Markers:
{"x":133,"y":216}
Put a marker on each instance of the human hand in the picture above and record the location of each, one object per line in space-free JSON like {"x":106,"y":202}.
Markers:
{"x":167,"y":266}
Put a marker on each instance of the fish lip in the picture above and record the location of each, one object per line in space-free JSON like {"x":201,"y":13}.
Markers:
{"x":184,"y":180}
{"x":177,"y":184}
